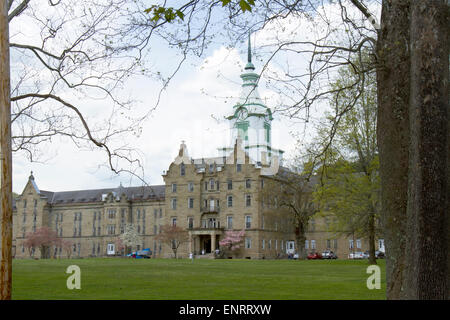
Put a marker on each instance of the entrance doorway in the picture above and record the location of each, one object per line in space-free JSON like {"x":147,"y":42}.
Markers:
{"x":207,"y":245}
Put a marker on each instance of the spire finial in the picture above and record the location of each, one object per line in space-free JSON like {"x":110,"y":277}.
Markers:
{"x":249,"y":58}
{"x":249,"y":65}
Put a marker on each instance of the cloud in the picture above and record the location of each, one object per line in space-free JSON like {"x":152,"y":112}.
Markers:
{"x":191,"y":109}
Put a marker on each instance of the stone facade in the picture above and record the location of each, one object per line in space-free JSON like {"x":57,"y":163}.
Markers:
{"x":207,"y":197}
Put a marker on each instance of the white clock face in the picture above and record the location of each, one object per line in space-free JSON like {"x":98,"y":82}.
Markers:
{"x":242,"y":114}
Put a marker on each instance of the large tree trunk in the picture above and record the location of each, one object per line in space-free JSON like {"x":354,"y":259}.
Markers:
{"x":300,"y":240}
{"x":372,"y":258}
{"x":5,"y":159}
{"x":393,"y":135}
{"x":427,"y":251}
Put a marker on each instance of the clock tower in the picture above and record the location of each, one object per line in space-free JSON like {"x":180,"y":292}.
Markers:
{"x":251,"y":121}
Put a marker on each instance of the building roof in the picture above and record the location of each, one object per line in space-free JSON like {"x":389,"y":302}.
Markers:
{"x":96,"y":195}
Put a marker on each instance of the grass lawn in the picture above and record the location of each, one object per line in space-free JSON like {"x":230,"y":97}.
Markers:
{"x":170,"y":279}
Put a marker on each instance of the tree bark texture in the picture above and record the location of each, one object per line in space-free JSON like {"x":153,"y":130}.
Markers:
{"x":5,"y":159}
{"x":393,"y":135}
{"x":427,"y":251}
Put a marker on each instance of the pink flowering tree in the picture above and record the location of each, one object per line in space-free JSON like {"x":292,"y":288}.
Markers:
{"x":67,"y":246}
{"x":120,"y":246}
{"x":43,"y":238}
{"x":232,"y":240}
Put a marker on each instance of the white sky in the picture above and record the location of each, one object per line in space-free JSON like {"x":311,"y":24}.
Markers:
{"x":185,"y":113}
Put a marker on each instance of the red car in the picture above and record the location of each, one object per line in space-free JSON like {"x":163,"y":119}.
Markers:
{"x":314,"y":255}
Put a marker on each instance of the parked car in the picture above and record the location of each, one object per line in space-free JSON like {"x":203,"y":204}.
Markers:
{"x":314,"y":256}
{"x":378,"y":255}
{"x":356,"y":255}
{"x":144,"y":254}
{"x":328,"y":254}
{"x":141,"y":254}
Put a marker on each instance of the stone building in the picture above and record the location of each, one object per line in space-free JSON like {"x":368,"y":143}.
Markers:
{"x":205,"y":196}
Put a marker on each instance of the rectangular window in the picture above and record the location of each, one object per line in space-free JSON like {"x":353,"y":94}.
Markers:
{"x":191,"y":203}
{"x":154,"y":229}
{"x":248,"y":243}
{"x":307,"y":244}
{"x":211,"y":184}
{"x":313,"y":244}
{"x":182,"y":170}
{"x":230,"y":201}
{"x":211,"y":168}
{"x":190,"y":222}
{"x":248,"y":222}
{"x":313,"y":225}
{"x":248,"y":183}
{"x":270,"y":244}
{"x":174,"y":187}
{"x":174,"y":221}
{"x":229,"y":222}
{"x":350,"y":243}
{"x":328,"y":244}
{"x":263,"y":244}
{"x":381,"y":244}
{"x":174,"y":203}
{"x":238,"y":167}
{"x":358,"y":243}
{"x":191,"y":186}
{"x":230,"y":184}
{"x":248,"y":200}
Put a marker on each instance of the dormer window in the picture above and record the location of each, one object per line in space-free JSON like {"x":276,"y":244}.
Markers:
{"x":211,"y":168}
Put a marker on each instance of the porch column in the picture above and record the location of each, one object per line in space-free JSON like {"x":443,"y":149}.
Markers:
{"x":191,"y":244}
{"x":213,"y":242}
{"x":197,"y":244}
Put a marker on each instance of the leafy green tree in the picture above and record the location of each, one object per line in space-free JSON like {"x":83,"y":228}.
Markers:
{"x":288,"y":196}
{"x":350,"y":188}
